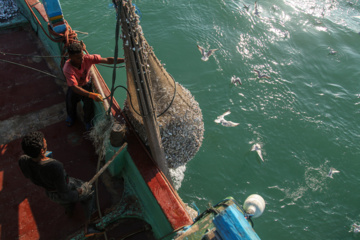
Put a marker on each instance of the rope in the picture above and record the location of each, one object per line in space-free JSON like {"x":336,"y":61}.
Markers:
{"x":117,"y":30}
{"x":28,"y":55}
{"x":22,"y":65}
{"x":67,"y":37}
{"x":109,"y":66}
{"x":172,"y":100}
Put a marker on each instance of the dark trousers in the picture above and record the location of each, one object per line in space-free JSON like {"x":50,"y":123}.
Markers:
{"x":72,"y":100}
{"x":67,"y":199}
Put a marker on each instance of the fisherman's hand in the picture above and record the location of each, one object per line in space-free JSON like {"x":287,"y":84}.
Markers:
{"x":86,"y":189}
{"x":97,"y":97}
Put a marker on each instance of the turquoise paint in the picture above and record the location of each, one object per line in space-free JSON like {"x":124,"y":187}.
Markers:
{"x":117,"y":165}
{"x":152,"y":212}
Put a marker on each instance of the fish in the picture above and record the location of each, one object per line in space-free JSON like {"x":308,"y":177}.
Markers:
{"x":256,"y":147}
{"x":332,"y":171}
{"x":220,"y":119}
{"x":205,"y":54}
{"x":236,"y":80}
{"x":261,"y":75}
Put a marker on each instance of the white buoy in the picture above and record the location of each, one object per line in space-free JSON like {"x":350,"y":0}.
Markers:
{"x":254,"y":205}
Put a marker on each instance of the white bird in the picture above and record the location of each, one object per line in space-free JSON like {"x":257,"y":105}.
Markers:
{"x":236,"y":80}
{"x":220,"y":119}
{"x":332,"y":171}
{"x":260,"y":75}
{"x":355,"y":228}
{"x":256,"y":147}
{"x":332,"y":52}
{"x":205,"y":54}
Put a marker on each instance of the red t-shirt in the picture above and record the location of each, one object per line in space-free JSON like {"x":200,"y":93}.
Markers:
{"x":79,"y":77}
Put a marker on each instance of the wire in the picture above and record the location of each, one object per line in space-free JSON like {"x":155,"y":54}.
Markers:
{"x":132,"y":106}
{"x":21,"y":65}
{"x":117,"y":30}
{"x":29,"y":55}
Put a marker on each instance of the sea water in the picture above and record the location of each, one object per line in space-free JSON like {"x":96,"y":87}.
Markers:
{"x":304,"y":116}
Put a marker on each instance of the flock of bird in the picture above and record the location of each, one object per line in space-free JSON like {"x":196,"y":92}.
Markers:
{"x":205,"y":54}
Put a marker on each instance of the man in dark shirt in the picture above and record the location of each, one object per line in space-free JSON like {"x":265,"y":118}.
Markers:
{"x":50,"y":174}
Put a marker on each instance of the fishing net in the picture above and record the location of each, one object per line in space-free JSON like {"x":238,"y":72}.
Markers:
{"x":179,"y":116}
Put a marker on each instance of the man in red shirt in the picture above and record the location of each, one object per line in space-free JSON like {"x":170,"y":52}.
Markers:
{"x":77,"y":72}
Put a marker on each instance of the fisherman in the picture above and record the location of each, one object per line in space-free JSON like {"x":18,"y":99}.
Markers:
{"x":77,"y":72}
{"x":50,"y":174}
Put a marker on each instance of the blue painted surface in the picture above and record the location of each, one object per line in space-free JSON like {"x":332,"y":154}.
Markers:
{"x":232,"y":225}
{"x":53,"y":9}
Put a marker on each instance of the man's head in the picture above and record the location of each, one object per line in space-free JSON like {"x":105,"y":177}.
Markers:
{"x":76,"y":55}
{"x":33,"y":144}
{"x":75,"y":48}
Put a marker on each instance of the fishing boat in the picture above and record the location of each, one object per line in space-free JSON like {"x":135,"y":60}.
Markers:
{"x":128,"y":153}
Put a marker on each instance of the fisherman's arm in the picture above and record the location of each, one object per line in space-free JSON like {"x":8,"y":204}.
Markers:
{"x":80,"y":91}
{"x":110,"y":60}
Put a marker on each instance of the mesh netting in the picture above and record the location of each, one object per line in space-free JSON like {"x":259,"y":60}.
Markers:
{"x":178,"y":114}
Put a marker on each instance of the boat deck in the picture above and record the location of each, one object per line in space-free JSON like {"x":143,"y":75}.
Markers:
{"x":30,"y":100}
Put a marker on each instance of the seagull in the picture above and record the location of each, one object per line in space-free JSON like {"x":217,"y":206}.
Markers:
{"x":260,"y":75}
{"x":256,"y":147}
{"x":205,"y":54}
{"x":220,"y":119}
{"x":246,"y":7}
{"x":332,"y":171}
{"x":236,"y":80}
{"x":356,"y":228}
{"x":256,"y":12}
{"x":332,"y":52}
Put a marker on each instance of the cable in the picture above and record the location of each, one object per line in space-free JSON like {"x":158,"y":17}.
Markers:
{"x":21,"y":65}
{"x":132,"y":106}
{"x":115,"y":54}
{"x":28,"y":55}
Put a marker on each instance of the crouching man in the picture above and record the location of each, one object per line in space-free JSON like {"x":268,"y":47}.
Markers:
{"x":50,"y":174}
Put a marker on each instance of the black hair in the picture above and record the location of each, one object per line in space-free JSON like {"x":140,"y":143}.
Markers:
{"x":74,"y":48}
{"x":33,"y":143}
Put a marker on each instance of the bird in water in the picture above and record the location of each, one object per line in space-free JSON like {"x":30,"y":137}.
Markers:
{"x":236,"y":80}
{"x":332,"y":171}
{"x":256,"y":11}
{"x":355,"y":228}
{"x":256,"y":147}
{"x":220,"y":119}
{"x":246,"y":7}
{"x":205,"y":54}
{"x":332,"y":52}
{"x":260,"y":75}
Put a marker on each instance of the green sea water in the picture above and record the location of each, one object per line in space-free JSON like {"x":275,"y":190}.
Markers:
{"x":304,"y":116}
